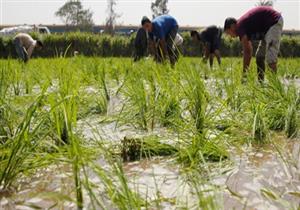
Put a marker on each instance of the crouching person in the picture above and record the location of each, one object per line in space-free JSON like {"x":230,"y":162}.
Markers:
{"x":210,"y":37}
{"x":140,"y":44}
{"x":261,"y":23}
{"x":163,"y":28}
{"x":25,"y":46}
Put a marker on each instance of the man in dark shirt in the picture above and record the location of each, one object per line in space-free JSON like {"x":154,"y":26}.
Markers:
{"x":211,"y":39}
{"x":164,"y":28}
{"x":261,"y":23}
{"x":140,"y":44}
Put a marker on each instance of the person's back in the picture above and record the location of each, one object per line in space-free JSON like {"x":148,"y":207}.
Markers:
{"x":25,"y":45}
{"x":25,"y":40}
{"x":260,"y":23}
{"x":257,"y":21}
{"x":209,"y":33}
{"x":162,"y":25}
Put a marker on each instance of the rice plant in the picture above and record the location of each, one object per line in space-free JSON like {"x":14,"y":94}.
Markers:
{"x":259,"y":127}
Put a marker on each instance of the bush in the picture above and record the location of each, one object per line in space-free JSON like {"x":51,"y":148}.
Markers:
{"x":89,"y":44}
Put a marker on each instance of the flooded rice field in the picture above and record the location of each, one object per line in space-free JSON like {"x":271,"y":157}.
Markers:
{"x":136,"y":136}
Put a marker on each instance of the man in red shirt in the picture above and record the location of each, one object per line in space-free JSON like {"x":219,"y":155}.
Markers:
{"x":261,"y":23}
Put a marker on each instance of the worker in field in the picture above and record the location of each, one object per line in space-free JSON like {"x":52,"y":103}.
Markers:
{"x":140,"y":44}
{"x":25,"y":46}
{"x":261,"y":23}
{"x":163,"y":28}
{"x":210,"y":37}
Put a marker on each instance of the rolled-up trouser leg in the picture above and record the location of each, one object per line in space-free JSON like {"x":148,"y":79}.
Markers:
{"x":171,"y":45}
{"x":260,"y":60}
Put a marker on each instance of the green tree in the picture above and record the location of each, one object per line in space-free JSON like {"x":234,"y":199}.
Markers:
{"x":159,"y":7}
{"x":72,"y":13}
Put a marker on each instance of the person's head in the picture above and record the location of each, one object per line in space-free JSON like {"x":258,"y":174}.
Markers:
{"x":146,"y":24}
{"x":195,"y":36}
{"x":39,"y":44}
{"x":230,"y":26}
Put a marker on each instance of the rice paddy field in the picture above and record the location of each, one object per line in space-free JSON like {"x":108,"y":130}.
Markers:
{"x":107,"y":133}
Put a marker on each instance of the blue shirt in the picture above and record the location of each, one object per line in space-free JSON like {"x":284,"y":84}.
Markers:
{"x":162,"y":26}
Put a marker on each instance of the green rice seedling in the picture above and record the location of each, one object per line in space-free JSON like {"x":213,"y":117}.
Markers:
{"x":233,"y":88}
{"x":171,"y":111}
{"x":4,"y":82}
{"x":168,"y":105}
{"x":103,"y":84}
{"x":259,"y":128}
{"x":102,"y":103}
{"x":136,"y":106}
{"x":291,"y":121}
{"x":280,"y":101}
{"x":18,"y":149}
{"x":197,"y":96}
{"x":6,"y":125}
{"x":16,"y":78}
{"x":198,"y":150}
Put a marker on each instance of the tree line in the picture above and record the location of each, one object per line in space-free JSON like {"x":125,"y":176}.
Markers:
{"x":72,"y":13}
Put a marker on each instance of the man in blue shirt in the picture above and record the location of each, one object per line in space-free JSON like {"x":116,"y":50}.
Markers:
{"x":163,"y":28}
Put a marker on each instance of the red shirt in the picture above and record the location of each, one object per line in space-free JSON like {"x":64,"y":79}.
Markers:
{"x":256,"y":22}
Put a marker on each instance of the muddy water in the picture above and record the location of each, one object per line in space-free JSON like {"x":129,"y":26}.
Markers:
{"x":262,"y":178}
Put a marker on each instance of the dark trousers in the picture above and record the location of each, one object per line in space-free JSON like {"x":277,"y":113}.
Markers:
{"x":171,"y":46}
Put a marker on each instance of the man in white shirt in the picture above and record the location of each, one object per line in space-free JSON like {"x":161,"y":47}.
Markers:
{"x":25,"y":45}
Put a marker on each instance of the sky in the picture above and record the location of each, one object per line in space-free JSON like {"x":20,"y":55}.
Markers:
{"x":187,"y":12}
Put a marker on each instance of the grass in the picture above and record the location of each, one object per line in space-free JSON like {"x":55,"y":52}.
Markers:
{"x":188,"y":114}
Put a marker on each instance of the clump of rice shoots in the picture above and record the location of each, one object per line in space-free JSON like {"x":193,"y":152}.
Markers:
{"x":199,"y":150}
{"x":137,"y":148}
{"x":291,"y":122}
{"x":259,"y":128}
{"x":196,"y":95}
{"x":102,"y":103}
{"x":171,"y":111}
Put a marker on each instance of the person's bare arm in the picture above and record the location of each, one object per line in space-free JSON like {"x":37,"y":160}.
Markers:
{"x":247,"y":52}
{"x":163,"y":46}
{"x":30,"y":51}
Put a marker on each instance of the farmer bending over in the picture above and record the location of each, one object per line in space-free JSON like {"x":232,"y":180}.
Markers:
{"x":164,"y":28}
{"x":140,"y":44}
{"x":25,"y":45}
{"x":261,"y":23}
{"x":211,"y":39}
